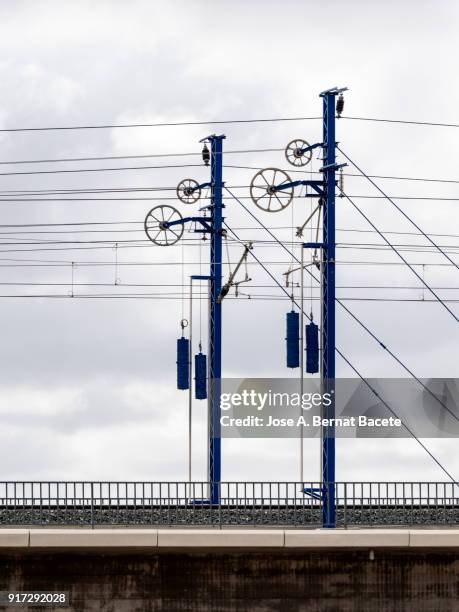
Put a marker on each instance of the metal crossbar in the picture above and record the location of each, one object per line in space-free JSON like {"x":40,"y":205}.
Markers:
{"x":292,"y":504}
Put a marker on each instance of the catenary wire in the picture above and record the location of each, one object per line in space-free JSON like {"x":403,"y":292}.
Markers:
{"x":221,"y":122}
{"x":361,"y":376}
{"x":397,"y":252}
{"x":398,"y":208}
{"x":357,"y":318}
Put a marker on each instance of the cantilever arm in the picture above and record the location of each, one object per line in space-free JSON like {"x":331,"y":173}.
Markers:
{"x":316,"y":185}
{"x":204,"y":221}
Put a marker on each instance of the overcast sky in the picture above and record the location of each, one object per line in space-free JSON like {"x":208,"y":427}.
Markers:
{"x":87,"y":386}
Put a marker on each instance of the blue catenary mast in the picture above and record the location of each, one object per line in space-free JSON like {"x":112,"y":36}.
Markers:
{"x":164,"y":227}
{"x":325,"y":190}
{"x":328,"y":304}
{"x":215,"y":331}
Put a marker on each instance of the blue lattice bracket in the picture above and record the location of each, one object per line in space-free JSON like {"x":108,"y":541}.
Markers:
{"x":304,"y":150}
{"x":316,"y":185}
{"x":204,"y":221}
{"x":315,"y":493}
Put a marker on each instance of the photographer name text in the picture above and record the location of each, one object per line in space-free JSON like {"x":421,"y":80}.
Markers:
{"x":314,"y":421}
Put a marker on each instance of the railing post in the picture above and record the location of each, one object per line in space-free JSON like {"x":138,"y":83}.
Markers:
{"x":345,"y":505}
{"x":92,"y":505}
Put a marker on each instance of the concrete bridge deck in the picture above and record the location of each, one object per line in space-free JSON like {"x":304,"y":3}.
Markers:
{"x":233,"y":570}
{"x":169,"y":539}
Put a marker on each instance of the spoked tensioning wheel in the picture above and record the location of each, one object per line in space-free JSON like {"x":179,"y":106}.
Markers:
{"x":188,"y":191}
{"x":264,"y":193}
{"x":156,"y":225}
{"x":295,"y":154}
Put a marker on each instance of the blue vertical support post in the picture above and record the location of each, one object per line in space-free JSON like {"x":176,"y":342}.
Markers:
{"x":328,"y":306}
{"x":215,"y":332}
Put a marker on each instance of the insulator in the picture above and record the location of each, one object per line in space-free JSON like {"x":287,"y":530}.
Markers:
{"x":312,"y":348}
{"x":340,"y":105}
{"x":293,"y":339}
{"x":205,"y":154}
{"x":341,"y":183}
{"x":183,"y":364}
{"x":200,"y":377}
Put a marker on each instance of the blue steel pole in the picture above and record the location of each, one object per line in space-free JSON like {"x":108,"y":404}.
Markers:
{"x":215,"y":332}
{"x":328,"y":308}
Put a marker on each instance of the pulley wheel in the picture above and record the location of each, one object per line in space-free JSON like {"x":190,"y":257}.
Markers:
{"x":295,"y":155}
{"x":188,"y":191}
{"x":156,"y":229}
{"x":264,"y":194}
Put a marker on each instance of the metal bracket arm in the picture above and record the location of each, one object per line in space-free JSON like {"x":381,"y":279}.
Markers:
{"x":316,"y":185}
{"x":202,"y":186}
{"x":333,"y":90}
{"x":313,"y":245}
{"x":311,"y":147}
{"x":332,"y":167}
{"x":204,"y":221}
{"x":314,"y":493}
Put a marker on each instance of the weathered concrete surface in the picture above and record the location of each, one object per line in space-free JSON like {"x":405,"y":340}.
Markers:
{"x":92,"y":538}
{"x":231,"y":580}
{"x":244,"y":539}
{"x":221,"y":538}
{"x":434,"y":538}
{"x":14,"y":538}
{"x":117,"y":570}
{"x":344,"y":538}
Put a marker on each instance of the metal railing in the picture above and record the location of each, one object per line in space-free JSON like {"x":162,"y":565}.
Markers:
{"x":254,"y":504}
